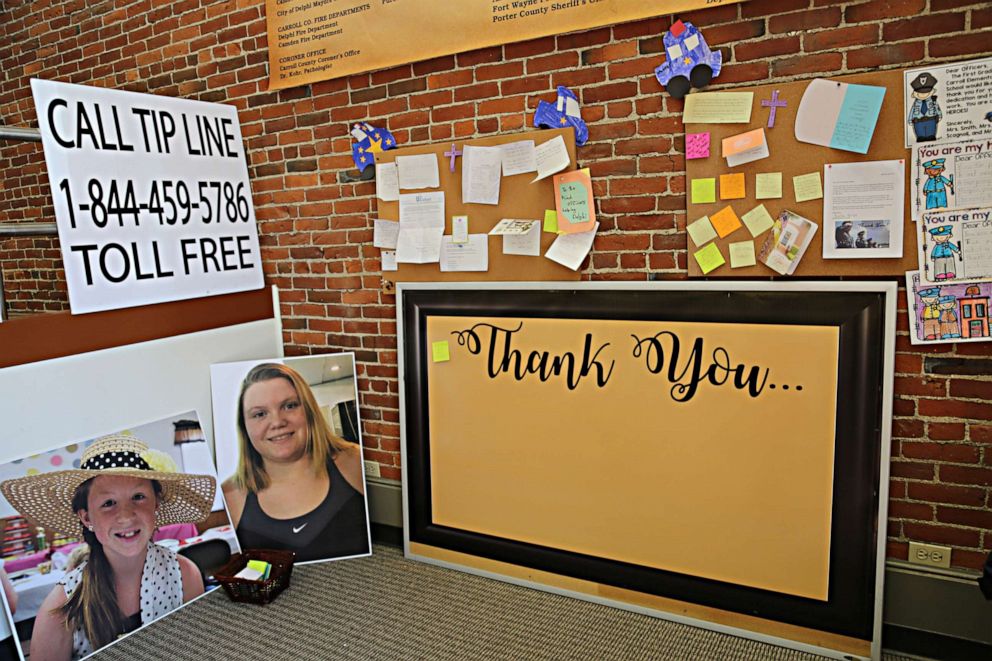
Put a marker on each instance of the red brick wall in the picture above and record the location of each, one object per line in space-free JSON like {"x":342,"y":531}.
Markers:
{"x":316,"y":232}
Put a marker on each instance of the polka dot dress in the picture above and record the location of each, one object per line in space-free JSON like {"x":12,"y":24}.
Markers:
{"x":161,"y":592}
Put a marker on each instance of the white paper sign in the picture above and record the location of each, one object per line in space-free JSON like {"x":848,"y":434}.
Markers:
{"x":570,"y":249}
{"x":552,"y":156}
{"x":387,"y":182}
{"x":418,"y":171}
{"x":470,"y":256}
{"x":385,"y":233}
{"x":151,"y":194}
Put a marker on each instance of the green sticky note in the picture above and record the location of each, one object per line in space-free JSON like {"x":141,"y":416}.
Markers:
{"x":550,"y":220}
{"x":440,"y":351}
{"x":758,"y":220}
{"x":741,"y":254}
{"x":574,"y":202}
{"x":703,"y":191}
{"x":709,"y":258}
{"x":701,"y":231}
{"x":807,"y":187}
{"x":768,"y":185}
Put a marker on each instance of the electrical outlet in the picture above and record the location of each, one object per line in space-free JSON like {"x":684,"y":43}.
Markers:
{"x":372,"y":470}
{"x":929,"y":554}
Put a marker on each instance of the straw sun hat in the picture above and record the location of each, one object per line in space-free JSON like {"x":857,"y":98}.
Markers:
{"x":47,"y":498}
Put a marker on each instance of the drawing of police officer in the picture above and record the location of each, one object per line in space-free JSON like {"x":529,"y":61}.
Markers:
{"x":925,"y":113}
{"x":931,"y":313}
{"x":937,"y":184}
{"x":943,"y":251}
{"x":949,"y":326}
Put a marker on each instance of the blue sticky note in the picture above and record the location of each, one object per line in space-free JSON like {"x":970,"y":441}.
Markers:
{"x":858,"y":116}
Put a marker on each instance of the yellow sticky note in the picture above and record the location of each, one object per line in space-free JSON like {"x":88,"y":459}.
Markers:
{"x":709,"y":258}
{"x":718,"y":108}
{"x":550,"y":220}
{"x":768,"y":185}
{"x":703,"y":191}
{"x":807,"y":187}
{"x":758,"y":220}
{"x":701,"y":231}
{"x":440,"y":351}
{"x":741,"y":254}
{"x":732,"y":186}
{"x":725,"y":221}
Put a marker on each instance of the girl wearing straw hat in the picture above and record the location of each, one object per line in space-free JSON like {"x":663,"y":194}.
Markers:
{"x":118,"y":500}
{"x":298,"y":486}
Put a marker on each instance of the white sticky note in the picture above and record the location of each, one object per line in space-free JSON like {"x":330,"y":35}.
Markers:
{"x":741,"y":254}
{"x":701,"y":231}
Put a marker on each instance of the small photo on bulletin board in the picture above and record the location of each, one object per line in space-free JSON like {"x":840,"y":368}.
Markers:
{"x":792,"y":178}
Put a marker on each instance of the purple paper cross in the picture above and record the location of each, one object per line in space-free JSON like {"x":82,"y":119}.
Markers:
{"x":453,"y":153}
{"x":774,"y":104}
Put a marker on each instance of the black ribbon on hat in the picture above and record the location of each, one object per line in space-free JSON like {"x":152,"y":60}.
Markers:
{"x":115,"y":459}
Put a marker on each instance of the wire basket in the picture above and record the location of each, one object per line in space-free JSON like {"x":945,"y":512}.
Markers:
{"x":256,"y":592}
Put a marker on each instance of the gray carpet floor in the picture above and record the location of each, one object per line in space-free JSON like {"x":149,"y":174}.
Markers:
{"x":387,"y":607}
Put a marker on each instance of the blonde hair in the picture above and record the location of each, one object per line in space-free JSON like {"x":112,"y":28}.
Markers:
{"x":322,"y":444}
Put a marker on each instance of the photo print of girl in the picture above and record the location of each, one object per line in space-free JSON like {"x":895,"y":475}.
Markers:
{"x":104,"y":535}
{"x":289,"y":446}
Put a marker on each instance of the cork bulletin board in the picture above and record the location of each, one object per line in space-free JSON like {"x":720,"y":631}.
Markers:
{"x":792,"y":158}
{"x":753,"y":499}
{"x":518,"y":198}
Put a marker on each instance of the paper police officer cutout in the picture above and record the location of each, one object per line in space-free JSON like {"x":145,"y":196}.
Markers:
{"x":925,"y":113}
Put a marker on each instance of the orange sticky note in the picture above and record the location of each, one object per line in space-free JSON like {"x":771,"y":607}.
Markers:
{"x":732,"y":186}
{"x":735,"y":144}
{"x":725,"y":221}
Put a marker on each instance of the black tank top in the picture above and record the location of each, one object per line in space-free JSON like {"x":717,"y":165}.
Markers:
{"x":337,"y":527}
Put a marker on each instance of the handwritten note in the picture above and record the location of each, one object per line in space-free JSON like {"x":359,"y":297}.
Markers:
{"x":697,"y":145}
{"x":570,"y":249}
{"x":857,"y":118}
{"x":808,"y":187}
{"x":418,"y":171}
{"x":703,"y":191}
{"x":758,"y":220}
{"x":725,"y":221}
{"x":733,"y":186}
{"x":718,"y":108}
{"x":573,"y":201}
{"x":741,"y":254}
{"x":387,"y":182}
{"x":524,"y":244}
{"x":709,"y":258}
{"x":518,"y":157}
{"x":388,"y":260}
{"x":701,"y":231}
{"x":385,"y":233}
{"x":768,"y":185}
{"x":551,"y":157}
{"x":440,"y":351}
{"x":481,"y":174}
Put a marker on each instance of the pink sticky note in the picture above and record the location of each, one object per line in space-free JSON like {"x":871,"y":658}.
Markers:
{"x":697,"y":145}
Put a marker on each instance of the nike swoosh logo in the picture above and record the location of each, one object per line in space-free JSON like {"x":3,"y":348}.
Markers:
{"x":295,"y":529}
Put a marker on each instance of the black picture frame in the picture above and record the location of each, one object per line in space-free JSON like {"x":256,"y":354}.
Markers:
{"x":862,"y":318}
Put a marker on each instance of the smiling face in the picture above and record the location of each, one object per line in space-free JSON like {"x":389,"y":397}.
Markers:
{"x":276,"y":421}
{"x":121,"y":511}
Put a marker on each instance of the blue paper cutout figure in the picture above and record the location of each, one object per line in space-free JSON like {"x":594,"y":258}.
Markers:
{"x":565,"y":112}
{"x":936,"y":184}
{"x":369,"y":141}
{"x":943,"y":251}
{"x":689,"y":60}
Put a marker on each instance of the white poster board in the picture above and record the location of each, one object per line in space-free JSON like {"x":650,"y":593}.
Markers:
{"x":151,"y":196}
